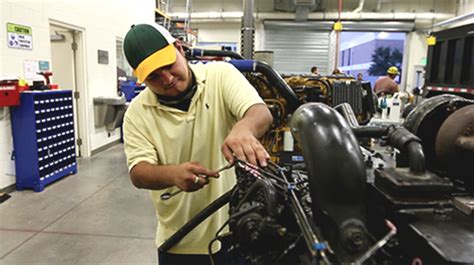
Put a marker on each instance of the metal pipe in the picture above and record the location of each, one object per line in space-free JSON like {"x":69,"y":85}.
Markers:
{"x":248,"y":30}
{"x":346,"y":111}
{"x":335,"y":166}
{"x":195,"y":52}
{"x":400,"y":137}
{"x":367,"y":16}
{"x":392,"y":232}
{"x":454,"y":20}
{"x":187,"y":21}
{"x":76,"y":87}
{"x":359,"y":8}
{"x":416,"y":157}
{"x":359,"y":131}
{"x":379,"y":6}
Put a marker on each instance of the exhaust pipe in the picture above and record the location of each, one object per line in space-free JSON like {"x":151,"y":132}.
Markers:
{"x":337,"y":177}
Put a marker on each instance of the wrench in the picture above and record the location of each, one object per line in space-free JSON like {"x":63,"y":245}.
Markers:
{"x":167,"y":195}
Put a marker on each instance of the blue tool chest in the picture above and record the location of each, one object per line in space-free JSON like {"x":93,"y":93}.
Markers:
{"x":43,"y":138}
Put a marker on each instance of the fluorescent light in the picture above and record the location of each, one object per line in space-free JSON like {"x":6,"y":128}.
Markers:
{"x":383,"y":35}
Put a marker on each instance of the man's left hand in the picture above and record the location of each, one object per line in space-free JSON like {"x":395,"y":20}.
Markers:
{"x":242,"y":144}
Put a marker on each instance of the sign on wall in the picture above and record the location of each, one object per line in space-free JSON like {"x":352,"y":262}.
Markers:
{"x":43,"y":65}
{"x":31,"y":69}
{"x":103,"y":56}
{"x":19,"y":37}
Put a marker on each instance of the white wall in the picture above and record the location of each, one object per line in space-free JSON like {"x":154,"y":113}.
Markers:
{"x":228,"y":31}
{"x":218,"y":32}
{"x":416,"y":51}
{"x":102,"y":22}
{"x":465,"y":7}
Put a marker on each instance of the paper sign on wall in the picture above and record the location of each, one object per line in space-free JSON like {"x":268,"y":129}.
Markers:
{"x":19,"y":37}
{"x":31,"y":69}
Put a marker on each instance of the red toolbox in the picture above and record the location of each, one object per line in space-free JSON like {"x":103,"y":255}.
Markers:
{"x":9,"y":93}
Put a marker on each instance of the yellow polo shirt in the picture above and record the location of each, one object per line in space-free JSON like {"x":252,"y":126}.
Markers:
{"x":163,"y":135}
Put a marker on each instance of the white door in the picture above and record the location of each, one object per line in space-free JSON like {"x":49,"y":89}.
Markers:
{"x":67,"y":68}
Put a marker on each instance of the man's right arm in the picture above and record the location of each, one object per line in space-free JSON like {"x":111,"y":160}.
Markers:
{"x":146,"y":173}
{"x":155,"y":177}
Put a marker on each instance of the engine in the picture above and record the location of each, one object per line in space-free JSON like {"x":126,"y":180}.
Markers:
{"x":369,"y":207}
{"x":268,"y":210}
{"x":407,"y":200}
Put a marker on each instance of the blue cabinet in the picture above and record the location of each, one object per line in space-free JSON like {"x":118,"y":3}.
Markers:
{"x":43,"y":138}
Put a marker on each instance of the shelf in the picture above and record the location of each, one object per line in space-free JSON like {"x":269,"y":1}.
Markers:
{"x":162,"y":13}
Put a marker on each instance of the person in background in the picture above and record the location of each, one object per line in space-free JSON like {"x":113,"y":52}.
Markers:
{"x":337,"y":72}
{"x":315,"y":70}
{"x":386,"y":85}
{"x":360,"y":77}
{"x":190,"y":120}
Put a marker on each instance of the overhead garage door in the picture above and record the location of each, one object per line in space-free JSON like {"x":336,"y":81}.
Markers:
{"x":296,"y":49}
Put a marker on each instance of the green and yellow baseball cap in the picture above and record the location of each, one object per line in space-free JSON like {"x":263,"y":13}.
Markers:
{"x":148,"y":47}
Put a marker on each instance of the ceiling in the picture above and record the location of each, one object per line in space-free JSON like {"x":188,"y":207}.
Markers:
{"x":416,"y":6}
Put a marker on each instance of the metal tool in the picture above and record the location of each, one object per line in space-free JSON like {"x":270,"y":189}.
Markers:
{"x":167,"y":195}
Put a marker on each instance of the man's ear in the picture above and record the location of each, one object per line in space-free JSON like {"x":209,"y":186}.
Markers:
{"x":179,"y":46}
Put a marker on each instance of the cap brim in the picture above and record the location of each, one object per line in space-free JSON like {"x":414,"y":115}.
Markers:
{"x":161,"y":58}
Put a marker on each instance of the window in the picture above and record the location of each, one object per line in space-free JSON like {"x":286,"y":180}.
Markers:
{"x":371,"y":53}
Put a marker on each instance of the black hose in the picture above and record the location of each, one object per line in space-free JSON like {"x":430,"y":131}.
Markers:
{"x":333,"y":160}
{"x":416,"y":157}
{"x":273,"y":78}
{"x":201,"y":52}
{"x":398,"y":137}
{"x":360,"y":131}
{"x":370,"y":131}
{"x":195,"y":221}
{"x":404,"y":140}
{"x":336,"y":169}
{"x":285,"y":90}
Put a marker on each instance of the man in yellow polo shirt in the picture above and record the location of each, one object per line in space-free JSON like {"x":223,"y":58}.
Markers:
{"x":188,"y":122}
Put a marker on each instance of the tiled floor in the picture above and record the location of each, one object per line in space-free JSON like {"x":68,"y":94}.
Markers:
{"x":93,"y":217}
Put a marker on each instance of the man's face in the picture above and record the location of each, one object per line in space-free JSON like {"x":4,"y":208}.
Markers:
{"x":171,"y":80}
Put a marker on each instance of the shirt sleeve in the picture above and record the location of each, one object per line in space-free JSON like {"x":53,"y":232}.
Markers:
{"x":239,"y":94}
{"x":137,"y":147}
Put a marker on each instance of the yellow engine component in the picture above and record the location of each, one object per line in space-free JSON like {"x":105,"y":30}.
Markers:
{"x":302,"y":85}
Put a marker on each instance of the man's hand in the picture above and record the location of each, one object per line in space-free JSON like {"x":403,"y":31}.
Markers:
{"x":191,"y":176}
{"x":242,"y":144}
{"x":242,"y":141}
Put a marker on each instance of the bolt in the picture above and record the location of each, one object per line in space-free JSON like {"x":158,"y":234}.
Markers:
{"x":355,"y":239}
{"x":281,"y":231}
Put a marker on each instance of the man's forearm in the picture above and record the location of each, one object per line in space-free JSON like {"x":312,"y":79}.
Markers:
{"x":257,"y":119}
{"x":147,"y":176}
{"x":187,"y":176}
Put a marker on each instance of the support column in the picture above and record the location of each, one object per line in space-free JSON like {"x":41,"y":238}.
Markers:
{"x":248,"y":30}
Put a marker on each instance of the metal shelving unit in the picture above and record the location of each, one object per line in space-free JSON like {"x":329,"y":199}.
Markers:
{"x":43,"y":138}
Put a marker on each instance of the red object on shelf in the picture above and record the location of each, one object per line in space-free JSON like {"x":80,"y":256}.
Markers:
{"x":23,"y":88}
{"x":9,"y":93}
{"x":54,"y":86}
